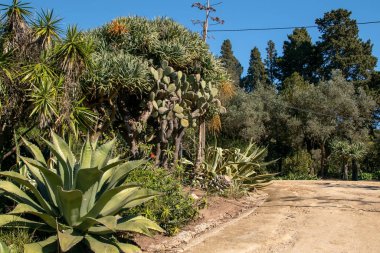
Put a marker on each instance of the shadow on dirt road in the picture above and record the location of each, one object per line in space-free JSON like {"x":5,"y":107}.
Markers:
{"x":305,"y":216}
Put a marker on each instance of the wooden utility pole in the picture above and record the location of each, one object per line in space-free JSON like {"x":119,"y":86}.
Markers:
{"x":208,"y":9}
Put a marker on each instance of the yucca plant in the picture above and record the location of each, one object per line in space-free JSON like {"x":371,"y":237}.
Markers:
{"x":76,"y":200}
{"x":236,"y":168}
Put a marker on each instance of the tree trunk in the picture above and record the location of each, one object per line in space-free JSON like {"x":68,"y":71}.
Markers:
{"x":178,"y":146}
{"x":323,"y":169}
{"x":354,"y":170}
{"x":345,"y":171}
{"x":201,"y":145}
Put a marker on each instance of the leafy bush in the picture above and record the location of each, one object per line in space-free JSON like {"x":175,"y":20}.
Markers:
{"x":299,"y":164}
{"x":173,"y":208}
{"x":377,"y":175}
{"x":76,"y":201}
{"x":366,"y":176}
{"x":233,"y":168}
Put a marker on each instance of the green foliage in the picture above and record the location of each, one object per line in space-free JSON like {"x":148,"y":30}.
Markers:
{"x":173,"y":208}
{"x":299,"y":163}
{"x":366,"y":176}
{"x":230,"y":62}
{"x":256,"y":74}
{"x":14,"y":240}
{"x":377,"y":175}
{"x":76,"y":201}
{"x":341,"y":47}
{"x":300,"y":56}
{"x":233,"y":168}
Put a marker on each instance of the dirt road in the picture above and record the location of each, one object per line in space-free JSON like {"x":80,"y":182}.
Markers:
{"x":304,"y":216}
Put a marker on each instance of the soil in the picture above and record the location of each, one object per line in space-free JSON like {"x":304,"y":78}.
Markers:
{"x":218,"y":212}
{"x":303,"y":216}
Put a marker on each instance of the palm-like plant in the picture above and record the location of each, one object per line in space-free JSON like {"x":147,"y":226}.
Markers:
{"x":15,"y":19}
{"x":46,"y":29}
{"x":44,"y":97}
{"x":78,"y":200}
{"x":73,"y":54}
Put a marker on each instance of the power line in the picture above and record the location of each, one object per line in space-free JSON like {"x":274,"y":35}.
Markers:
{"x":282,"y":28}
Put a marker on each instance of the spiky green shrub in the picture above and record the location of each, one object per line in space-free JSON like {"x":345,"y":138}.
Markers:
{"x":76,"y":201}
{"x":233,"y":168}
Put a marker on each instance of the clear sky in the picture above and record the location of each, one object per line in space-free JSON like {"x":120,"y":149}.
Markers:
{"x":237,"y":14}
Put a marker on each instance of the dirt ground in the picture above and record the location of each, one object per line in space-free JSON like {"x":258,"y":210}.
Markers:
{"x":304,"y":216}
{"x":218,"y":212}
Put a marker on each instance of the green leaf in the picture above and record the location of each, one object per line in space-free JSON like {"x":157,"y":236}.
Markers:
{"x":100,"y":247}
{"x":141,"y":221}
{"x":65,"y":168}
{"x":48,"y":219}
{"x":35,"y":151}
{"x":13,"y":192}
{"x":126,"y":198}
{"x":105,"y":198}
{"x":47,"y":246}
{"x":86,"y":155}
{"x":70,"y":205}
{"x":4,"y":248}
{"x":68,"y":239}
{"x":50,"y":179}
{"x":101,"y":155}
{"x":87,"y":181}
{"x":109,"y":223}
{"x":20,"y":179}
{"x":14,"y":221}
{"x":128,"y":248}
{"x":121,"y":172}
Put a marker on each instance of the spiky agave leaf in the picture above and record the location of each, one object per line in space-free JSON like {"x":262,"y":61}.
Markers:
{"x":77,"y":200}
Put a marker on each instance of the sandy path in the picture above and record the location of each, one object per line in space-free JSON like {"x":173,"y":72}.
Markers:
{"x":305,"y":216}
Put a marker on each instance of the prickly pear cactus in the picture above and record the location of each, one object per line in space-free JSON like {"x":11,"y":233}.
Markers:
{"x":179,"y":101}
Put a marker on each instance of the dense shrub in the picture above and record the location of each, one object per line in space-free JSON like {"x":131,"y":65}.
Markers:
{"x":366,"y":176}
{"x":377,"y":175}
{"x":299,"y":164}
{"x":173,"y":209}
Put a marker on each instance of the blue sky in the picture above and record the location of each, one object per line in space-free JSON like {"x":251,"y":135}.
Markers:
{"x":237,"y":14}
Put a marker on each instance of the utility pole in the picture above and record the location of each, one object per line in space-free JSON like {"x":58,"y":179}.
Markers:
{"x":208,"y":9}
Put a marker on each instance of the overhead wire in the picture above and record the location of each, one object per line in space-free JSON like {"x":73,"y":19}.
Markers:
{"x":282,"y":28}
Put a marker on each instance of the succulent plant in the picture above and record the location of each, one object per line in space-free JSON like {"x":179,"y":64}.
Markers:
{"x":77,"y":201}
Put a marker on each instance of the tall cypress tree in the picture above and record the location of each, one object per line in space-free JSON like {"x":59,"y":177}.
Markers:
{"x":230,"y":62}
{"x":256,"y":72}
{"x":342,"y":48}
{"x":300,"y":55}
{"x":270,"y":62}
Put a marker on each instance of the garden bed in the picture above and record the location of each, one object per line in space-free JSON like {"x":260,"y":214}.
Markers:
{"x":218,"y":212}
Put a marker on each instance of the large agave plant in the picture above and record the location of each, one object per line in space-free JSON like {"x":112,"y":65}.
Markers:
{"x":244,"y":169}
{"x":77,"y":200}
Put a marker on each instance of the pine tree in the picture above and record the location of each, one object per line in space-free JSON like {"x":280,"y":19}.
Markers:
{"x":230,"y":62}
{"x":342,"y":48}
{"x":256,"y":72}
{"x":270,"y":62}
{"x":299,"y":56}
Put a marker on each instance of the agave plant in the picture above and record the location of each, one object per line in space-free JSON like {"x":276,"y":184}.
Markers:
{"x":244,"y":169}
{"x":76,"y":200}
